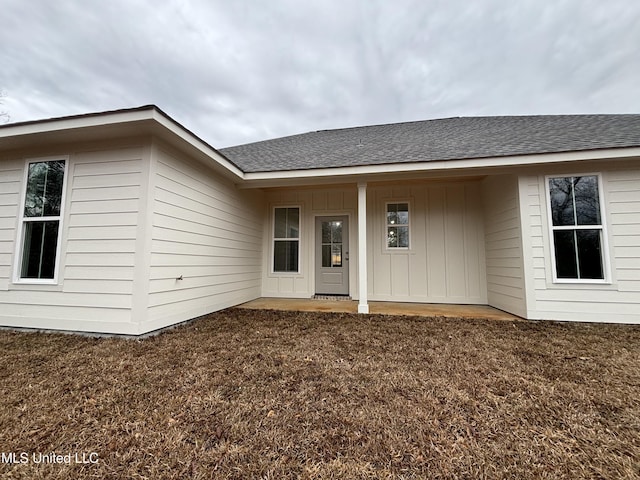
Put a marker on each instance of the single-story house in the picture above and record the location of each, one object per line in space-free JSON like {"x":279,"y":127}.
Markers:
{"x":125,"y":221}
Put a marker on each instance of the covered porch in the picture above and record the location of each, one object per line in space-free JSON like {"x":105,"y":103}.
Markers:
{"x":439,"y":256}
{"x":381,"y":308}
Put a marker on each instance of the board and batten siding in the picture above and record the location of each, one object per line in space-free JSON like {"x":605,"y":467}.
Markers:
{"x":618,"y":300}
{"x":325,"y":201}
{"x":503,"y":244}
{"x":97,"y":257}
{"x":445,"y":261}
{"x":206,"y":241}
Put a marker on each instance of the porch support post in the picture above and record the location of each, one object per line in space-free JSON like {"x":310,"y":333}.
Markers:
{"x":363,"y":306}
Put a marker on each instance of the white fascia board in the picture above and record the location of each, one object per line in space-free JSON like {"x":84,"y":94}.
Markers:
{"x":121,"y":118}
{"x":197,"y":143}
{"x":152,"y":114}
{"x":76,"y":122}
{"x":507,"y":161}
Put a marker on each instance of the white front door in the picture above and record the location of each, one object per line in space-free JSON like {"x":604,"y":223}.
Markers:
{"x":332,"y":255}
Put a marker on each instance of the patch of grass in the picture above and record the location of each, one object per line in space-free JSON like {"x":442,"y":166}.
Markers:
{"x":263,"y":394}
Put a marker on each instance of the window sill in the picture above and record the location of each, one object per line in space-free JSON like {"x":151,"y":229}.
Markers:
{"x":582,"y":285}
{"x":31,"y":286}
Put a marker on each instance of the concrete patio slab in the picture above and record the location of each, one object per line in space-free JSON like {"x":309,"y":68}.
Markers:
{"x":383,"y":308}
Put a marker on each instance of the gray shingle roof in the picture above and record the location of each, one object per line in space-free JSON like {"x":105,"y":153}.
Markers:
{"x":445,"y":139}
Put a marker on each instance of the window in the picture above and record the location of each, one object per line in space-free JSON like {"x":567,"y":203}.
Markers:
{"x":576,"y":224}
{"x":331,"y":244}
{"x":286,"y":239}
{"x":397,"y":225}
{"x":41,"y":219}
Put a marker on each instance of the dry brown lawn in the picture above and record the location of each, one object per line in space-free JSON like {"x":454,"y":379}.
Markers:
{"x":258,"y":394}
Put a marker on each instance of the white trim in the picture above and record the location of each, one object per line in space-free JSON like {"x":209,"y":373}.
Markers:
{"x":526,"y":245}
{"x":144,"y":236}
{"x":387,"y":248}
{"x":19,"y":247}
{"x":196,"y":142}
{"x":363,"y":305}
{"x":75,"y":122}
{"x":274,"y":239}
{"x":153,"y":117}
{"x":606,"y":269}
{"x":149,"y":116}
{"x":508,"y":161}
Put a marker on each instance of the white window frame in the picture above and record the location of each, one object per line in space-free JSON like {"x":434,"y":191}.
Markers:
{"x":19,"y":250}
{"x":606,"y":271}
{"x":274,"y":239}
{"x":387,"y":225}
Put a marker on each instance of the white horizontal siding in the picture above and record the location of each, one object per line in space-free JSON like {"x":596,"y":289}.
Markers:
{"x":184,"y":230}
{"x":623,"y":189}
{"x":206,"y":232}
{"x":199,"y":270}
{"x":102,"y":225}
{"x":107,"y":194}
{"x":503,"y":244}
{"x":29,"y":296}
{"x":619,"y":299}
{"x":218,"y":247}
{"x":98,"y":252}
{"x":92,"y":272}
{"x":11,"y":173}
{"x":174,"y":263}
{"x":205,"y":289}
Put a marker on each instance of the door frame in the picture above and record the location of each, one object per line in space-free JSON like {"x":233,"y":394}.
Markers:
{"x":346,"y":251}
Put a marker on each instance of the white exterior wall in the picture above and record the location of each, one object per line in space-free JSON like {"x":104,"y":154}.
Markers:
{"x":618,"y":300}
{"x":11,"y":174}
{"x":312,"y":203}
{"x":97,"y":258}
{"x":445,"y":262}
{"x":503,"y":244}
{"x":204,"y":230}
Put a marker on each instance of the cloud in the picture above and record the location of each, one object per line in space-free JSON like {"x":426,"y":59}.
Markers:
{"x":241,"y":71}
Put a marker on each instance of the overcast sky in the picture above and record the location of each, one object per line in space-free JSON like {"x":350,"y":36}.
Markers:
{"x":240,"y":71}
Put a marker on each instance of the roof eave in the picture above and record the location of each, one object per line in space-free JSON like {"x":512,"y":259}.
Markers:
{"x":148,"y":118}
{"x":196,"y":142}
{"x":353,"y":173}
{"x":72,"y":122}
